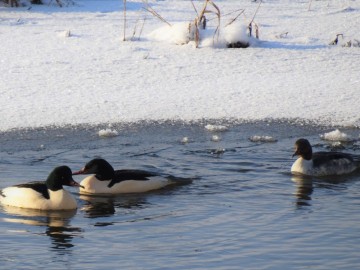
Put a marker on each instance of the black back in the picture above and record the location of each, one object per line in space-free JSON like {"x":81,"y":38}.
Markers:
{"x":123,"y":175}
{"x":38,"y":187}
{"x":320,"y":158}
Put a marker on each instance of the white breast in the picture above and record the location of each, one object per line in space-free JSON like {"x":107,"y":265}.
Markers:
{"x":62,"y":199}
{"x":302,"y":166}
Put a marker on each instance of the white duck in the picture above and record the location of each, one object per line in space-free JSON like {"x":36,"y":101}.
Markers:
{"x":321,"y":163}
{"x":46,"y":195}
{"x":105,"y":180}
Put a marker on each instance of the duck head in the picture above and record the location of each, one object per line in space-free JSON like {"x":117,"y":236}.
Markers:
{"x":100,"y":167}
{"x":59,"y":177}
{"x":303,"y":149}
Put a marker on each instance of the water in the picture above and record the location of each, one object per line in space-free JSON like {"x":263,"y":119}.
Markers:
{"x":244,"y":209}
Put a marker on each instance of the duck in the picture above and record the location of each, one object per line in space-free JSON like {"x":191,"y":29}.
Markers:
{"x":43,"y":195}
{"x":321,"y":163}
{"x":103,"y":179}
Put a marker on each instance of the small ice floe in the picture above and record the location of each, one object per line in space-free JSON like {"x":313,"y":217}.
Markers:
{"x":65,"y":34}
{"x":184,"y":140}
{"x":257,"y":138}
{"x":336,"y":135}
{"x":336,"y":146}
{"x":216,"y":127}
{"x":108,"y":133}
{"x":215,"y":138}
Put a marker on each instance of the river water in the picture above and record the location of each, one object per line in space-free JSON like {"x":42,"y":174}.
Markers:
{"x":244,"y":210}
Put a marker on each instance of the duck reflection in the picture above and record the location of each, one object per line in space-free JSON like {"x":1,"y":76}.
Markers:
{"x":57,"y":224}
{"x":105,"y":206}
{"x":304,"y":189}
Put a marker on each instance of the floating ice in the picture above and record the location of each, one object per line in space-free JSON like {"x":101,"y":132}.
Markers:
{"x":216,"y":127}
{"x":215,"y":138}
{"x":336,"y":135}
{"x":108,"y":133}
{"x":257,"y":138}
{"x":185,"y":140}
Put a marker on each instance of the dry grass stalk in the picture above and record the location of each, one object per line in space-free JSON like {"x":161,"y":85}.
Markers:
{"x":154,"y":13}
{"x":62,"y":3}
{"x":135,"y":28}
{"x":256,"y":11}
{"x":237,"y":16}
{"x":257,"y":32}
{"x":336,"y":40}
{"x":205,"y":10}
{"x":309,"y":8}
{"x":137,"y":23}
{"x":142,"y":27}
{"x":194,"y":8}
{"x":197,"y":33}
{"x":217,"y":32}
{"x":124,"y":37}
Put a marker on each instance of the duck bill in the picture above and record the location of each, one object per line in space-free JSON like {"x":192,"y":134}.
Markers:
{"x":82,"y":171}
{"x":296,"y":153}
{"x":75,"y":184}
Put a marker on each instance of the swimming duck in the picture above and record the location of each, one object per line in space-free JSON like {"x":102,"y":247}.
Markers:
{"x":321,"y":163}
{"x":45,"y":195}
{"x":106,"y":180}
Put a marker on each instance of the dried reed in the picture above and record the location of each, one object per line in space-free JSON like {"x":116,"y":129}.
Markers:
{"x":124,"y":37}
{"x":154,"y":13}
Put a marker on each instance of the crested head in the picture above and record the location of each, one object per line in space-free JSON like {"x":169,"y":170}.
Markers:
{"x":100,"y":167}
{"x":303,"y":149}
{"x":60,"y":176}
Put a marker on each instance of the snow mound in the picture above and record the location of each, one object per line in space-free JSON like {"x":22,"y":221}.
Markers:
{"x":175,"y":34}
{"x":184,"y":32}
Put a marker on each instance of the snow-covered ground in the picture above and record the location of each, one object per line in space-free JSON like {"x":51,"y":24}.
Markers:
{"x":69,"y":65}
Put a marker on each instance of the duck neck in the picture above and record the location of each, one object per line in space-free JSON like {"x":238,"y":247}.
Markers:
{"x":106,"y":175}
{"x":307,"y":155}
{"x":52,"y":183}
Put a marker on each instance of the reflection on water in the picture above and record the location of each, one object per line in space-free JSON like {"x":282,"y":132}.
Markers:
{"x":305,"y":185}
{"x":106,"y":205}
{"x":56,"y":223}
{"x":304,"y":189}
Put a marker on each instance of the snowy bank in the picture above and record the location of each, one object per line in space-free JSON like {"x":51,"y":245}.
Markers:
{"x":69,"y":65}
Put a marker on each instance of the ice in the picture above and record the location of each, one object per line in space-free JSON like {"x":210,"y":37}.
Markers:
{"x":108,"y":133}
{"x":263,"y":138}
{"x":336,"y":136}
{"x":217,"y":128}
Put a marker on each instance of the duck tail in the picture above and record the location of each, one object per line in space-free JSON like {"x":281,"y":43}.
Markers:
{"x":180,"y":180}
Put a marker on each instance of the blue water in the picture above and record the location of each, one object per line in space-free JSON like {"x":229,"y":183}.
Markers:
{"x":244,"y":209}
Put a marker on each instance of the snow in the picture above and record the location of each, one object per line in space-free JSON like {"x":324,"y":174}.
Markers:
{"x":70,"y":66}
